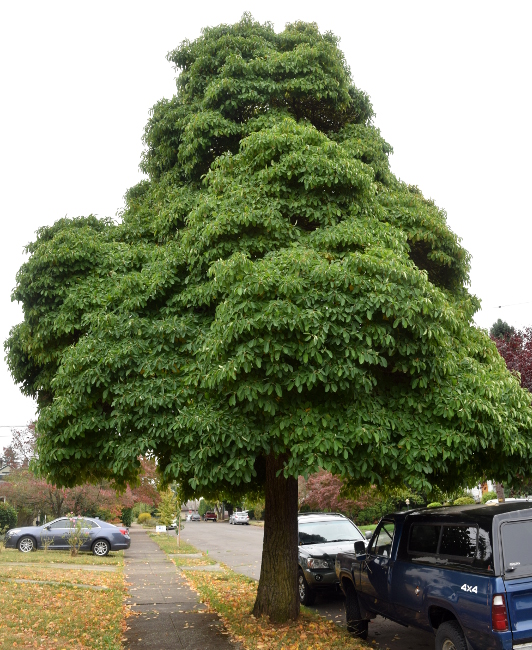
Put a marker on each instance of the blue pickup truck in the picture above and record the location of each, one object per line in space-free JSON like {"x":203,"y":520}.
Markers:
{"x":463,"y":572}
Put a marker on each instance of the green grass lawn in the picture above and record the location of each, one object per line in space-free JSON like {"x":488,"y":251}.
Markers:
{"x":370,"y":527}
{"x":53,"y":617}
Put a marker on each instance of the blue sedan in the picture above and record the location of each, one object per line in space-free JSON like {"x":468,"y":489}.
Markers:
{"x":101,"y":536}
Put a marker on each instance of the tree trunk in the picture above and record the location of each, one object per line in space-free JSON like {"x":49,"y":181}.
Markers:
{"x":500,"y":492}
{"x":277,"y":595}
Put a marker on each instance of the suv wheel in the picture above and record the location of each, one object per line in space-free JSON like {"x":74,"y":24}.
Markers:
{"x":356,"y":625}
{"x":306,"y":595}
{"x":450,"y":637}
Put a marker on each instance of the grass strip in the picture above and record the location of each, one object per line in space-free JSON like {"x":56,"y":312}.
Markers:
{"x":60,"y":557}
{"x":232,"y":595}
{"x":113,"y":580}
{"x":168,"y":544}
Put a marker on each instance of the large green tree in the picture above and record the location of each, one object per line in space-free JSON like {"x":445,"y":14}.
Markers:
{"x":274,"y":301}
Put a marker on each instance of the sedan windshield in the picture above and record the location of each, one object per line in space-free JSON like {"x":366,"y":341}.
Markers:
{"x":321,"y":532}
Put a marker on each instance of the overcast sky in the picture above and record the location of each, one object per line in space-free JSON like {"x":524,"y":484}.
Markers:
{"x":449,"y":81}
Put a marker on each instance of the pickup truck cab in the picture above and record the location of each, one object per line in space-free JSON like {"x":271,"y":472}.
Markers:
{"x":463,"y":572}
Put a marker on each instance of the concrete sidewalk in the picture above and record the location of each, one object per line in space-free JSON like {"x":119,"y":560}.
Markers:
{"x":168,"y":614}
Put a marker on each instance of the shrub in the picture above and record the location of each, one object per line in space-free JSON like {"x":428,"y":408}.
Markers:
{"x":464,"y":501}
{"x":127,"y":516}
{"x":434,"y":504}
{"x":488,"y":496}
{"x":8,"y":516}
{"x":144,"y":517}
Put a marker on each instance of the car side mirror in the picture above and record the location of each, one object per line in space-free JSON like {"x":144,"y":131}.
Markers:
{"x":360,"y":548}
{"x":47,"y":528}
{"x":369,"y":534}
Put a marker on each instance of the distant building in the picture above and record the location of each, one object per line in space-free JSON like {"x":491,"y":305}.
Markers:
{"x":5,"y":471}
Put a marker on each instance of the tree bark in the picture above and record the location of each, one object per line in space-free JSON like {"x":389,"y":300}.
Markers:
{"x":277,"y":595}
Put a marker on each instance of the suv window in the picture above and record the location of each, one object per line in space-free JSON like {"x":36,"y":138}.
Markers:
{"x":516,"y":548}
{"x":382,"y":539}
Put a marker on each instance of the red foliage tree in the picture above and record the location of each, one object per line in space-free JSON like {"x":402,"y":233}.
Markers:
{"x":322,"y":492}
{"x":516,"y":350}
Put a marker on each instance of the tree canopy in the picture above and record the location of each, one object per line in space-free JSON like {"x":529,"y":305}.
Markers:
{"x":271,"y":287}
{"x":516,"y":349}
{"x":501,"y":330}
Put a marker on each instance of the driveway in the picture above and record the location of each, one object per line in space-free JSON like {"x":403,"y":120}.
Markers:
{"x":240,"y":547}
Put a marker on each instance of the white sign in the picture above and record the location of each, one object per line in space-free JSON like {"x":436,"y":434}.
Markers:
{"x":160,"y":529}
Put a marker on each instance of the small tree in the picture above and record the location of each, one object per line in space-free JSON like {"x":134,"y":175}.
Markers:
{"x":501,"y":330}
{"x":516,"y":350}
{"x":204,"y":506}
{"x":167,"y":508}
{"x":8,"y":516}
{"x":77,"y":535}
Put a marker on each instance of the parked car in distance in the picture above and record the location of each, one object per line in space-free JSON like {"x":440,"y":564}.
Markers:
{"x":195,"y":517}
{"x":321,"y":536}
{"x":463,"y":573}
{"x":101,"y":536}
{"x":210,"y":516}
{"x":239,"y":518}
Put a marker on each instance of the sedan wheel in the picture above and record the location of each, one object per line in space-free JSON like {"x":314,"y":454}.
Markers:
{"x":101,"y":547}
{"x":26,"y":545}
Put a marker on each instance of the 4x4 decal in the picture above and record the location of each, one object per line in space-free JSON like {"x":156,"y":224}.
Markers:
{"x":469,"y":588}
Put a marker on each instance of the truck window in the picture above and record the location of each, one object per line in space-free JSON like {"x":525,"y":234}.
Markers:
{"x":459,"y":541}
{"x":516,"y":548}
{"x":382,"y":541}
{"x":424,"y":539}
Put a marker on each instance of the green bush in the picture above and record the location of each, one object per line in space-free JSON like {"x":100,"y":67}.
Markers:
{"x":141,"y":507}
{"x":488,"y":496}
{"x":8,"y":516}
{"x":127,"y":516}
{"x":434,"y":504}
{"x":464,"y":501}
{"x":144,"y":517}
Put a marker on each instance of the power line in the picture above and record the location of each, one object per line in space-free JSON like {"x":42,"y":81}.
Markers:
{"x":514,"y":304}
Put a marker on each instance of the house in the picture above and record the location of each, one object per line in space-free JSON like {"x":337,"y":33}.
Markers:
{"x":5,"y":471}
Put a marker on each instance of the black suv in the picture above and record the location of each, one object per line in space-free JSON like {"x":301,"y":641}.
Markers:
{"x":321,"y":536}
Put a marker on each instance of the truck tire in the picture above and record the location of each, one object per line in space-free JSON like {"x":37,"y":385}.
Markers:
{"x":450,"y":637}
{"x":306,"y":595}
{"x":356,"y":625}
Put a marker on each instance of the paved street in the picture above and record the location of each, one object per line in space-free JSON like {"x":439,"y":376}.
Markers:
{"x":240,"y":547}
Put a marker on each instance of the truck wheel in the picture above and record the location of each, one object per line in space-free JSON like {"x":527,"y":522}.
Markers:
{"x":356,"y":625}
{"x":306,"y":595}
{"x":450,"y":637}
